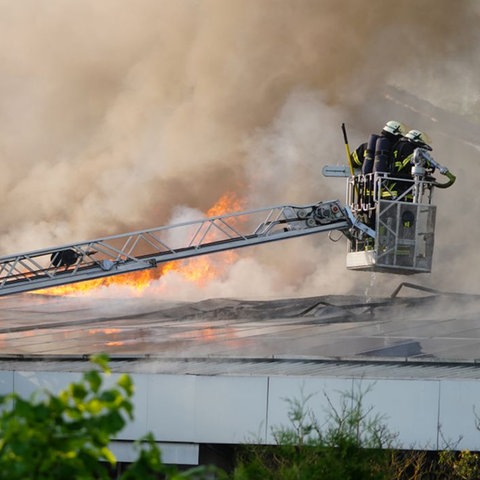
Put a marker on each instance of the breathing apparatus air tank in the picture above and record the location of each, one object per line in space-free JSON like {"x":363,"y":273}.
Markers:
{"x":382,"y":155}
{"x":367,"y":166}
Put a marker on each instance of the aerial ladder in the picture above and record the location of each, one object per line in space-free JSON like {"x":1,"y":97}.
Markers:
{"x":394,"y":236}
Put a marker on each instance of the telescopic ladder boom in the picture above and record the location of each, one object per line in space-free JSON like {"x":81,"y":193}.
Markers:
{"x":134,"y":251}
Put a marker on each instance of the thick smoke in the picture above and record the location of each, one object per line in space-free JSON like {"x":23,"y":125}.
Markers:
{"x":115,"y":113}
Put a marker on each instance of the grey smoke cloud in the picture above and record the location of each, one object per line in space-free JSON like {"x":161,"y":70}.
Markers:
{"x":114,"y":113}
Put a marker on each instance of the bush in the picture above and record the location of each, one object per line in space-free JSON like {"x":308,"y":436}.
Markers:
{"x":352,"y":444}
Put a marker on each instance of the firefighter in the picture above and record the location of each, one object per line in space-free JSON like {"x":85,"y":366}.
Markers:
{"x":363,"y":157}
{"x":402,"y":163}
{"x":358,"y":156}
{"x":378,"y":159}
{"x":392,"y":132}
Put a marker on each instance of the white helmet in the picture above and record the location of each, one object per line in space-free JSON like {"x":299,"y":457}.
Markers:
{"x":420,"y":138}
{"x":395,"y":128}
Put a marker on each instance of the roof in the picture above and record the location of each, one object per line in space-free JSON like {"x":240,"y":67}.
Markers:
{"x":433,"y":334}
{"x":292,"y":367}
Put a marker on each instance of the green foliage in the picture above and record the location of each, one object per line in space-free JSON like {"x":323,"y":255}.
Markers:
{"x":464,"y":465}
{"x":66,"y":436}
{"x":351,"y":444}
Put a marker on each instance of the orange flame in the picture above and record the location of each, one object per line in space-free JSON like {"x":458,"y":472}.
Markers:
{"x":198,"y":270}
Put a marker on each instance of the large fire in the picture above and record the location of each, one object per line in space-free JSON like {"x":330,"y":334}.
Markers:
{"x":198,"y":270}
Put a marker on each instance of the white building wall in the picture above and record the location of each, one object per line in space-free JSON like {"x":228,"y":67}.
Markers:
{"x":459,"y":403}
{"x":193,"y":409}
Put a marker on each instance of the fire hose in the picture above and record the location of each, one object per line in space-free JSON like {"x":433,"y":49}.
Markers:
{"x":422,"y":157}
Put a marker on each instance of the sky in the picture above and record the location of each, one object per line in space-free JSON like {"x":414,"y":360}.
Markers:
{"x":115,"y":115}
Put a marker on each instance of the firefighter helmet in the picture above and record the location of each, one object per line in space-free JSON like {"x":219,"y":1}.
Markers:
{"x":419,"y":138}
{"x":395,"y":128}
